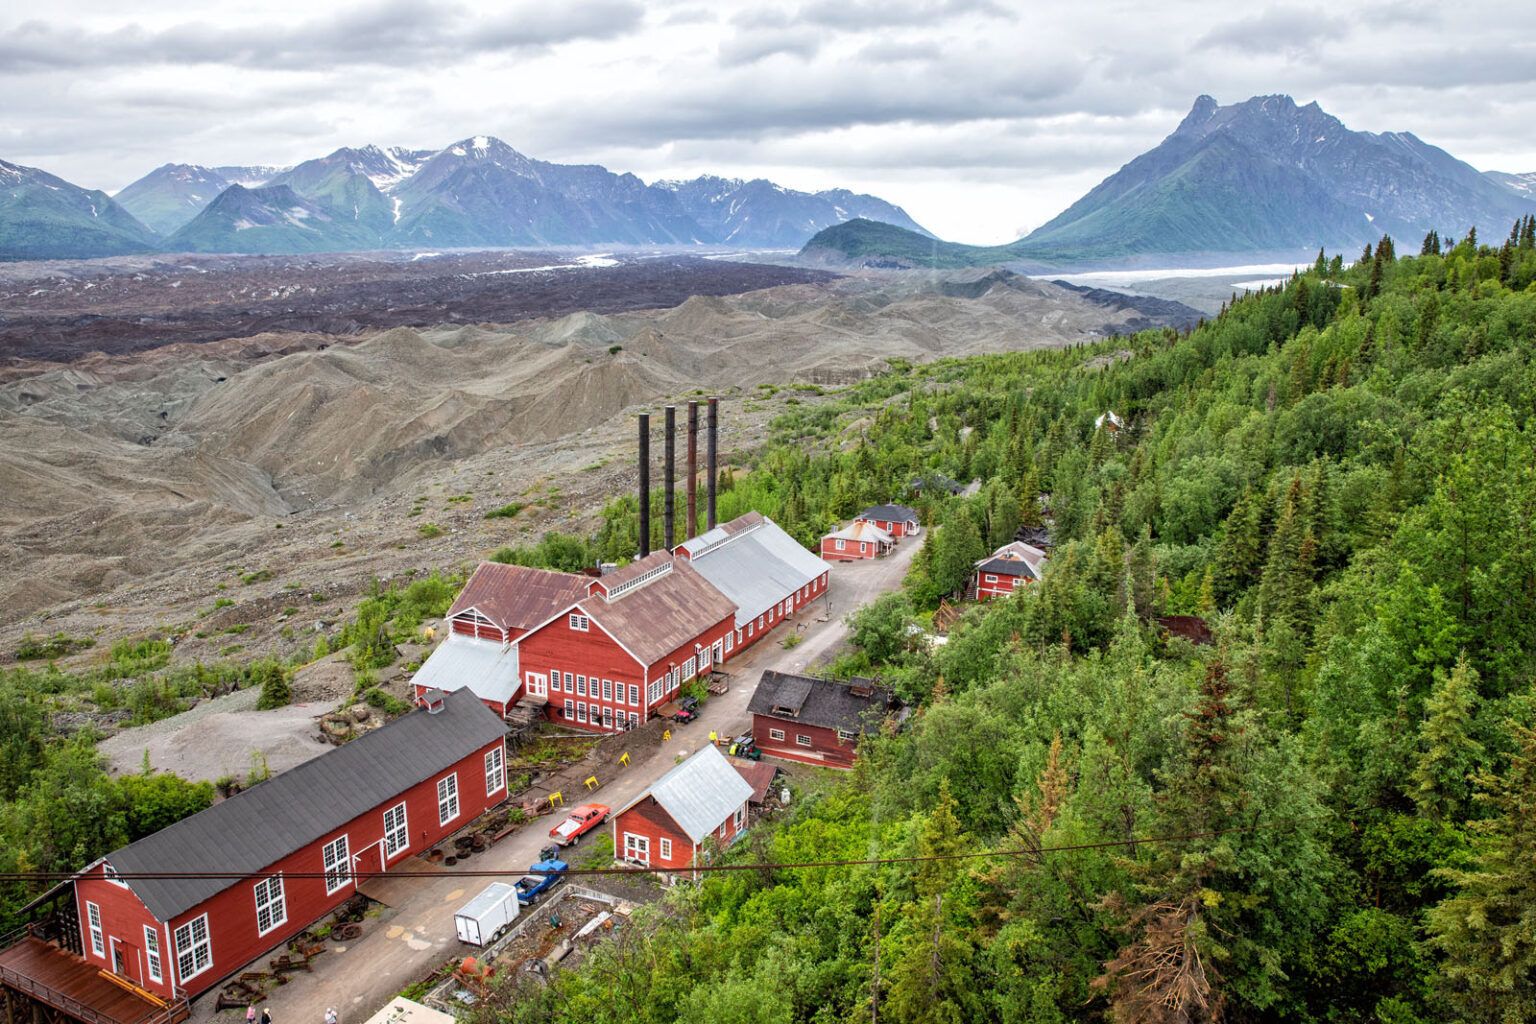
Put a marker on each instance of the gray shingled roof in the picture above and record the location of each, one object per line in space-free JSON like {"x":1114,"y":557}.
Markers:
{"x":821,"y":702}
{"x":889,"y":513}
{"x":264,"y":824}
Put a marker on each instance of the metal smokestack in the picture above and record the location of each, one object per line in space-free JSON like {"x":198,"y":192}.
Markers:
{"x":645,"y":484}
{"x":669,"y":497}
{"x":692,"y":526}
{"x":714,"y":432}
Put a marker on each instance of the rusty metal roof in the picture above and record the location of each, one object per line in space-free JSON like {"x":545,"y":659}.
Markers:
{"x":662,"y":614}
{"x":517,"y":597}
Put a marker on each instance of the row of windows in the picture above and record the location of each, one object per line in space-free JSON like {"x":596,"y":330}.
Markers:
{"x":582,"y":686}
{"x":596,"y":714}
{"x":194,"y":948}
{"x":638,"y":848}
{"x":801,"y":739}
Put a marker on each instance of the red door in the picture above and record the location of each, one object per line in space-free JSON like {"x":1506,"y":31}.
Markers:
{"x":369,"y":862}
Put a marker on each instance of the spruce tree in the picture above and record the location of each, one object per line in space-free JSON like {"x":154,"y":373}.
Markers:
{"x":1487,"y":930}
{"x":1448,"y":753}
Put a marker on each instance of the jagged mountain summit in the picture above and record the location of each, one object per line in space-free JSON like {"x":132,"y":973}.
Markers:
{"x":480,"y":191}
{"x":760,"y":214}
{"x":1269,"y":175}
{"x":45,"y":217}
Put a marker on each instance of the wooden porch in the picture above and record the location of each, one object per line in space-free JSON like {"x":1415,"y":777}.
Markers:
{"x":43,"y":984}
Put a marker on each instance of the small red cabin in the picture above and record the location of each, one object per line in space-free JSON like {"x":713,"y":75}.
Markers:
{"x":897,"y":520}
{"x":1005,"y":570}
{"x":702,"y":800}
{"x":817,"y":721}
{"x":859,"y":539}
{"x":296,"y":844}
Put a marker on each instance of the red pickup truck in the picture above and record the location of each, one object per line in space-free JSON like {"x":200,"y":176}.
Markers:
{"x":578,"y":823}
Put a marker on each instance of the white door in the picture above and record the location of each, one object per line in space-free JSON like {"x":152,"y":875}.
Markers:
{"x":538,"y":686}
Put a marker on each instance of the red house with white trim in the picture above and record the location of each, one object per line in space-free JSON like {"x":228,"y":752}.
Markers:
{"x":859,"y":539}
{"x":817,"y":721}
{"x":761,"y":569}
{"x":1005,"y":570}
{"x":897,"y":520}
{"x":349,"y":813}
{"x":702,"y":800}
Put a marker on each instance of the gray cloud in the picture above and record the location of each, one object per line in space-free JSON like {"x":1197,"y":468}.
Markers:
{"x":1277,"y":30}
{"x":749,"y":47}
{"x":386,"y":32}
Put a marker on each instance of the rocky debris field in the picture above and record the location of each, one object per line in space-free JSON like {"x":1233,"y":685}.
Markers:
{"x":60,"y":311}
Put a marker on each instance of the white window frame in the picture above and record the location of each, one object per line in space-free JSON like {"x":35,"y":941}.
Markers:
{"x":730,"y":641}
{"x":570,"y":711}
{"x":110,"y":874}
{"x":568,"y":678}
{"x":581,"y":686}
{"x":397,"y":834}
{"x":594,"y":715}
{"x":448,"y":798}
{"x":637,"y":847}
{"x":840,"y":544}
{"x":664,"y":848}
{"x":581,"y":711}
{"x":739,"y":819}
{"x":991,"y":578}
{"x":844,"y":736}
{"x":802,"y":740}
{"x":336,"y":857}
{"x":152,"y":960}
{"x":495,"y":770}
{"x":608,"y":690}
{"x":776,"y":734}
{"x":634,"y":694}
{"x":272,"y":901}
{"x":580,"y":623}
{"x":194,"y":954}
{"x":93,"y":923}
{"x":634,"y":719}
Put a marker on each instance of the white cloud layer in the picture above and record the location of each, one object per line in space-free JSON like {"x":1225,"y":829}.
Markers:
{"x":982,"y":118}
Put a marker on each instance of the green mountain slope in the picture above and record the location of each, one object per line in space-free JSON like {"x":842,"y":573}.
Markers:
{"x":875,"y":244}
{"x":170,"y":196}
{"x":273,"y":219}
{"x":45,"y":217}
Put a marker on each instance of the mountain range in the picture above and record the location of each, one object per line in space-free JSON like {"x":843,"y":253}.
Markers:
{"x":1261,"y":176}
{"x":476,"y":193}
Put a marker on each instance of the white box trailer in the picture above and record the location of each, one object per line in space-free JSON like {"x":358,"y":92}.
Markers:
{"x":486,"y":916}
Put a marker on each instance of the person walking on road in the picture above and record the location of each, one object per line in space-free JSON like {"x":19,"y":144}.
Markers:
{"x":266,"y":1016}
{"x":250,"y":1014}
{"x":330,"y":1015}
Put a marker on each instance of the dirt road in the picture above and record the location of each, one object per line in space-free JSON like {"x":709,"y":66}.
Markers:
{"x":416,"y":934}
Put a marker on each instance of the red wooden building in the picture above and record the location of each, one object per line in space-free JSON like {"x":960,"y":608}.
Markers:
{"x":349,"y":813}
{"x":607,"y":661}
{"x":703,"y":799}
{"x":859,"y":539}
{"x":1005,"y":570}
{"x":758,"y":567}
{"x":817,"y":721}
{"x":897,"y":520}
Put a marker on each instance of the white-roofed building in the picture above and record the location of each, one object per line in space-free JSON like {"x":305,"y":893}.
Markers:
{"x":759,"y":567}
{"x":486,"y":667}
{"x":701,"y":801}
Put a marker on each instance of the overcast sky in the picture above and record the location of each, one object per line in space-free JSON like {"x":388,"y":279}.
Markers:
{"x":983,"y":118}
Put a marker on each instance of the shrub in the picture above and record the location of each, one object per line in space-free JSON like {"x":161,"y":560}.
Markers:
{"x":56,"y":646}
{"x":506,"y":511}
{"x":386,"y":702}
{"x":276,"y":689}
{"x":429,"y":530}
{"x":258,"y":576}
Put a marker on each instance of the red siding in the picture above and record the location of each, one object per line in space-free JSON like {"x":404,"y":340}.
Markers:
{"x":1002,"y":586}
{"x":707,"y":638}
{"x":825,"y":748}
{"x":648,"y":818}
{"x":232,"y":912}
{"x":593,"y":654}
{"x":896,"y":528}
{"x":852,"y":549}
{"x":495,"y":705}
{"x":124,"y":919}
{"x":746,"y":638}
{"x":466,"y":623}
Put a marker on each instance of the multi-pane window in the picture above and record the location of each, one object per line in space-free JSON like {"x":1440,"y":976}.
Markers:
{"x":634,"y":693}
{"x":495,"y":771}
{"x":739,"y":820}
{"x":730,"y":641}
{"x":152,"y":954}
{"x":337,"y":869}
{"x":396,"y":837}
{"x":653,"y":692}
{"x":447,"y":798}
{"x":271,"y":907}
{"x":579,"y":622}
{"x":690,"y":668}
{"x":594,"y":714}
{"x":637,"y":848}
{"x":841,"y":544}
{"x":634,"y":719}
{"x":93,"y":919}
{"x":666,"y":849}
{"x":776,"y":734}
{"x":803,"y":739}
{"x":568,"y":678}
{"x":844,"y":736}
{"x":110,"y":874}
{"x":194,"y":949}
{"x":570,"y":711}
{"x":581,"y":711}
{"x":581,"y":686}
{"x":607,"y":689}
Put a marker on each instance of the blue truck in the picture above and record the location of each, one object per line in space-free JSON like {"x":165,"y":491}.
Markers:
{"x":541,"y":878}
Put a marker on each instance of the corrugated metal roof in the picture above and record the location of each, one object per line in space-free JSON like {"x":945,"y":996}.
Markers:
{"x":264,"y":824}
{"x":484,"y":666}
{"x":758,"y":567}
{"x":517,"y":597}
{"x":889,"y":513}
{"x":822,"y":702}
{"x":663,"y":614}
{"x":862,"y":530}
{"x":699,"y":794}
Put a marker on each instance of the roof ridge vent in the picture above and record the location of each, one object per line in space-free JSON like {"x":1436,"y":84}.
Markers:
{"x":630,"y":586}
